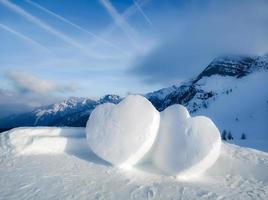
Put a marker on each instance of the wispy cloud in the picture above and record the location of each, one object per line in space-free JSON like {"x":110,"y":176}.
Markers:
{"x":23,"y":37}
{"x":121,"y":22}
{"x":15,"y":8}
{"x":63,"y":19}
{"x":28,"y":83}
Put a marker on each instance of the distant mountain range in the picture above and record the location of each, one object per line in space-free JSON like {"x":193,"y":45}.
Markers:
{"x":71,"y":112}
{"x":223,"y":76}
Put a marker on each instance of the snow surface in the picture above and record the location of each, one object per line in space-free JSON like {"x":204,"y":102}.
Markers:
{"x":241,"y":105}
{"x":44,"y":140}
{"x":185,"y":146}
{"x":77,"y":173}
{"x":122,"y":134}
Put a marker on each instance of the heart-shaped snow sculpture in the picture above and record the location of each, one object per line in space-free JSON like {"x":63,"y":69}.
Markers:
{"x":122,"y":134}
{"x":185,"y":146}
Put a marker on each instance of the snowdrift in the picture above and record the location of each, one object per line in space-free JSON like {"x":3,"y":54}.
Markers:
{"x":46,"y":140}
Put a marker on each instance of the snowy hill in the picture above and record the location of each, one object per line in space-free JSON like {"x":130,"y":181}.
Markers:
{"x":230,"y":90}
{"x":56,"y":163}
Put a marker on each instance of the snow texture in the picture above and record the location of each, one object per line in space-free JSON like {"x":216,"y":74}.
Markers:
{"x":44,"y":140}
{"x":77,"y":173}
{"x":185,"y":146}
{"x":122,"y":134}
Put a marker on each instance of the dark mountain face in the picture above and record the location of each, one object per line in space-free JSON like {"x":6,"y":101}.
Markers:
{"x":75,"y":111}
{"x":237,"y":67}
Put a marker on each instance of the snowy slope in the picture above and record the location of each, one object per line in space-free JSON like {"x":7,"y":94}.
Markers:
{"x":240,"y":106}
{"x":31,"y":170}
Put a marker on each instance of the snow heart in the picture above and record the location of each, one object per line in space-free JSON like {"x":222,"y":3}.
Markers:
{"x":185,"y":146}
{"x":122,"y":134}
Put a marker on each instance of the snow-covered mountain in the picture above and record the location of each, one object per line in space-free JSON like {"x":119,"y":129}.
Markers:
{"x":189,"y":92}
{"x":71,"y":112}
{"x":231,"y":90}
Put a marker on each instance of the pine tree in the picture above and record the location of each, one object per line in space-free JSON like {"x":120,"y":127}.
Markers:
{"x":223,"y":135}
{"x":229,"y":136}
{"x":243,"y":136}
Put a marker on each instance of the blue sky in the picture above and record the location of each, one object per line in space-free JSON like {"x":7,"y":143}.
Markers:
{"x":53,"y":49}
{"x":100,"y":70}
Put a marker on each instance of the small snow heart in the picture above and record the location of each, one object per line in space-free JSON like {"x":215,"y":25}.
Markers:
{"x":185,"y":146}
{"x":122,"y":134}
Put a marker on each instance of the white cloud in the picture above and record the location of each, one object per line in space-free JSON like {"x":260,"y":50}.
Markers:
{"x":27,"y":83}
{"x":192,"y":36}
{"x":13,"y":102}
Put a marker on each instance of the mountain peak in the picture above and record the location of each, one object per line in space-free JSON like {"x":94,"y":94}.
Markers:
{"x":224,"y":66}
{"x":228,"y":66}
{"x":112,"y":98}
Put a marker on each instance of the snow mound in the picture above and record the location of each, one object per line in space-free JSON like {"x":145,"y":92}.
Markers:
{"x":45,"y":140}
{"x":185,"y":146}
{"x":122,"y":134}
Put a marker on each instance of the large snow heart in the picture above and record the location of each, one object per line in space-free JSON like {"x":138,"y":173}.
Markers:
{"x":185,"y":146}
{"x":122,"y":134}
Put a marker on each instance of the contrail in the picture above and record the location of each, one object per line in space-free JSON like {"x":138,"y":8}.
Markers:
{"x":143,"y":13}
{"x":48,"y":28}
{"x":120,"y":21}
{"x":131,"y":10}
{"x":73,"y":24}
{"x":23,"y":37}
